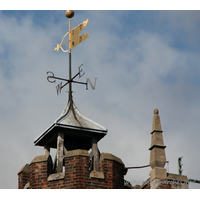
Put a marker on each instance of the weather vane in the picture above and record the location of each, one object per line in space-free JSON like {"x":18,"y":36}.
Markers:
{"x":74,"y":40}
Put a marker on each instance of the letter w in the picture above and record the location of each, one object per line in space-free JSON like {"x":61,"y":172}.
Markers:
{"x":58,"y":88}
{"x":93,"y":87}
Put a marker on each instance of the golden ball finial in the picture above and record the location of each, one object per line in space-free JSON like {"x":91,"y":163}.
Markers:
{"x":69,"y":13}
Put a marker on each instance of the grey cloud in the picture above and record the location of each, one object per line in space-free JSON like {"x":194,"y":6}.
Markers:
{"x":130,"y":71}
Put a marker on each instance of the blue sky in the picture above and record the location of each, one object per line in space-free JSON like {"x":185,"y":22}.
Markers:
{"x":140,"y":59}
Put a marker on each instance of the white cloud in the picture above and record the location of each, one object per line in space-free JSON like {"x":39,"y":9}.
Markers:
{"x":133,"y":73}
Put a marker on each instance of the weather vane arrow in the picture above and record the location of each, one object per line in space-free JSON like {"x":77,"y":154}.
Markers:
{"x":74,"y":40}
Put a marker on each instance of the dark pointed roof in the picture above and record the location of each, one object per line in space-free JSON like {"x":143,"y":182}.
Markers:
{"x":76,"y":128}
{"x":71,"y":116}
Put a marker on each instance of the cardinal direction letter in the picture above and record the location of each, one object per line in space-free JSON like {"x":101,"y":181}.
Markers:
{"x":58,"y":88}
{"x":80,"y":70}
{"x":52,"y":76}
{"x":93,"y":87}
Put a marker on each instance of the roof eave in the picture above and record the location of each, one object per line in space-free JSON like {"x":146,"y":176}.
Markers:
{"x":57,"y":125}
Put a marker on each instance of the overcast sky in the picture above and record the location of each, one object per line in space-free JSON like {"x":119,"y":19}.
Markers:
{"x":141,"y":59}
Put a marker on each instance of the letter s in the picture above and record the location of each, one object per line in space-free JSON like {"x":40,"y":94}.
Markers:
{"x":52,"y":76}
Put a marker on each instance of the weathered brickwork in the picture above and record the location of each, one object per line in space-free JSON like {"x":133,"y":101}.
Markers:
{"x":77,"y":174}
{"x":76,"y":171}
{"x":40,"y":169}
{"x":113,"y":172}
{"x":23,"y":176}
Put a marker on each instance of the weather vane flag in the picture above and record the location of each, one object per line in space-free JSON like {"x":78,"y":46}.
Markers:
{"x":74,"y":39}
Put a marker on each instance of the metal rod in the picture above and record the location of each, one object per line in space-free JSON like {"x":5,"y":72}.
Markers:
{"x":79,"y":82}
{"x":70,"y":80}
{"x":142,"y":166}
{"x":70,"y":72}
{"x":60,"y":78}
{"x":138,"y":167}
{"x":76,"y":75}
{"x":73,"y":82}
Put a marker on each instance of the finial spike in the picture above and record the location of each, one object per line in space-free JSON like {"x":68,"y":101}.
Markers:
{"x":156,"y":111}
{"x":156,"y":121}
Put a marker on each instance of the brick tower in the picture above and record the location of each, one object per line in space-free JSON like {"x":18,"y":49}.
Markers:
{"x":72,"y":135}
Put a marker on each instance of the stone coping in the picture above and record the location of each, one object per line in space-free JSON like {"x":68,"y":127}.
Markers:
{"x":170,"y":177}
{"x":95,"y":174}
{"x":27,"y":186}
{"x":25,"y":169}
{"x":145,"y":183}
{"x":177,"y":177}
{"x":109,"y":156}
{"x":42,"y":158}
{"x":56,"y":176}
{"x":135,"y":187}
{"x":77,"y":152}
{"x":81,"y":152}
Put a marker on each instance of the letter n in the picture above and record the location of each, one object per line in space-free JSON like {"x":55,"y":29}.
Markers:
{"x":93,"y":87}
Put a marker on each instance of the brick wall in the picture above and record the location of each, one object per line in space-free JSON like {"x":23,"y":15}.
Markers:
{"x":40,"y":169}
{"x":39,"y":175}
{"x":23,"y":176}
{"x":77,"y":174}
{"x":113,"y":172}
{"x":76,"y":170}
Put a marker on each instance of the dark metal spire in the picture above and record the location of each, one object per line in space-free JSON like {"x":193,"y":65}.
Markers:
{"x":70,"y":14}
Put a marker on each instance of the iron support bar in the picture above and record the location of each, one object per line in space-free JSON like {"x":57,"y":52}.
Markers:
{"x":70,"y":72}
{"x":138,"y":167}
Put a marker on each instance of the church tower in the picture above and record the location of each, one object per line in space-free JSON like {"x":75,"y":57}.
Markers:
{"x":72,"y":135}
